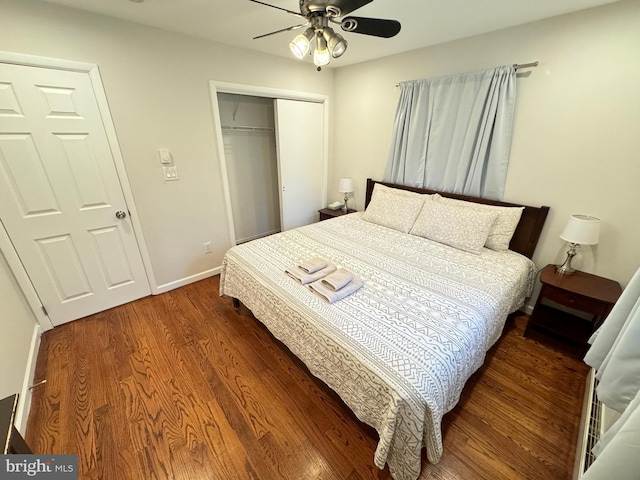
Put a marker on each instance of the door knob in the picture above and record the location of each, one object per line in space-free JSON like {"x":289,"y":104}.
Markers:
{"x":120,"y":214}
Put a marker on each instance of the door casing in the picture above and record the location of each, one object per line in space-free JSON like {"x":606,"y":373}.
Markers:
{"x":6,"y":247}
{"x":267,"y":92}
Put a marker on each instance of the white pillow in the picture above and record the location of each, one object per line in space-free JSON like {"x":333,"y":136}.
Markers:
{"x":504,"y":226}
{"x":393,"y":208}
{"x":458,"y":227}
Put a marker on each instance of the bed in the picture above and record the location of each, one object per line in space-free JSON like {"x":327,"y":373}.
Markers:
{"x":400,"y":349}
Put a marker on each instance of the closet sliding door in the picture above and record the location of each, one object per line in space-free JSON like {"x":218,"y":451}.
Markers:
{"x":300,"y":147}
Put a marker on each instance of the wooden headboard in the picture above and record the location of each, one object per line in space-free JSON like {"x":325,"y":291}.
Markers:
{"x":527,"y":232}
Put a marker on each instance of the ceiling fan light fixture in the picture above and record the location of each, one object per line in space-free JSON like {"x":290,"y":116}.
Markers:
{"x":321,"y":55}
{"x":335,"y":42}
{"x":301,"y":43}
{"x":318,"y":14}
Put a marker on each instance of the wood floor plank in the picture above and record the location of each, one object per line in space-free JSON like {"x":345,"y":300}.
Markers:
{"x":81,"y":387}
{"x":507,"y":421}
{"x":185,"y":386}
{"x":249,"y":408}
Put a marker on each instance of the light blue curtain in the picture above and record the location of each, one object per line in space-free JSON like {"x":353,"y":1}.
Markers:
{"x":454,"y":133}
{"x":615,"y":356}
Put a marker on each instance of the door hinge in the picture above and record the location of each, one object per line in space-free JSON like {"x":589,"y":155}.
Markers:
{"x":45,"y":311}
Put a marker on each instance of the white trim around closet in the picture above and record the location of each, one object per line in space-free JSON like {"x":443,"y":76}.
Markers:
{"x":266,"y":92}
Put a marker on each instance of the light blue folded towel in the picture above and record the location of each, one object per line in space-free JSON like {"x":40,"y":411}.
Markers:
{"x":313,"y":265}
{"x":337,"y":280}
{"x":305,"y":278}
{"x":332,"y":296}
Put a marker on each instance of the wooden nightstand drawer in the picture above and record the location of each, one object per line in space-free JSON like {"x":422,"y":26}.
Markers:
{"x":573,"y":300}
{"x":572,"y":306}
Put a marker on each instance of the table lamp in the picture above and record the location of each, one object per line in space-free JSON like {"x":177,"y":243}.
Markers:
{"x":580,"y":230}
{"x":346,"y":187}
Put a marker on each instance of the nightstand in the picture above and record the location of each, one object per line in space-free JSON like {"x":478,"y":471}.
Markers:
{"x":327,"y":213}
{"x":572,"y":306}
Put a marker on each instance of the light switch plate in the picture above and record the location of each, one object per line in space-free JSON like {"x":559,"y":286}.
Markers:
{"x":170,"y":174}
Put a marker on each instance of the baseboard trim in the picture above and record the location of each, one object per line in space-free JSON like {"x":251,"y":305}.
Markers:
{"x":528,"y":309}
{"x":186,"y":280}
{"x":24,"y":404}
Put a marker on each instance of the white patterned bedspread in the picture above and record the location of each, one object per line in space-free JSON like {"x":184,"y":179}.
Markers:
{"x":400,"y":349}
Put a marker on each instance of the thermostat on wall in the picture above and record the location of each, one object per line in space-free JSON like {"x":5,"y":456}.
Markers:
{"x":165,"y":155}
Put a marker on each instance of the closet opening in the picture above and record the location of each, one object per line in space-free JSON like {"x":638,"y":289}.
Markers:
{"x":248,"y":134}
{"x":273,"y":152}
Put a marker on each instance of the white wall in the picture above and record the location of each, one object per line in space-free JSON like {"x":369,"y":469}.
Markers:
{"x":157,"y":86}
{"x":17,"y":325}
{"x":576,"y":144}
{"x":252,"y":164}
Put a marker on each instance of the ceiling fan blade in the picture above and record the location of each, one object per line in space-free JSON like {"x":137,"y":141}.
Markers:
{"x":288,"y":29}
{"x":348,"y":6}
{"x":377,"y":27}
{"x":279,"y":8}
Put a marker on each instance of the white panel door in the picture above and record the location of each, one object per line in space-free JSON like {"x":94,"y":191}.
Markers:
{"x":60,"y":192}
{"x":300,"y":144}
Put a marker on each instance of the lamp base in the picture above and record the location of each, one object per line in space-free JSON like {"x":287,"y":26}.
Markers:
{"x":345,"y":209}
{"x":566,"y":268}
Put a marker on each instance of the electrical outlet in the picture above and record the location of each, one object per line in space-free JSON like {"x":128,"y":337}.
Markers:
{"x":207,"y":247}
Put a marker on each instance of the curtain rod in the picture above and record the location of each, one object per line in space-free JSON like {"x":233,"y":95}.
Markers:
{"x":525,"y":65}
{"x":516,"y":66}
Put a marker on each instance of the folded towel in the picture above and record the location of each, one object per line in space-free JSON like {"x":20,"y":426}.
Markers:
{"x":304,"y":278}
{"x":313,"y":265}
{"x":337,"y":280}
{"x":332,"y":296}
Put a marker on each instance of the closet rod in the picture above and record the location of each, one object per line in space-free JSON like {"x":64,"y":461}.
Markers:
{"x":516,"y":66}
{"x":246,"y":128}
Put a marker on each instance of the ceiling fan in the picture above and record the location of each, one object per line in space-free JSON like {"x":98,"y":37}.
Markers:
{"x":328,"y":43}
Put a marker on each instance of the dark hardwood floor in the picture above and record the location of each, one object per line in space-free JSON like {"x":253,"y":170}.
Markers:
{"x":184,"y":386}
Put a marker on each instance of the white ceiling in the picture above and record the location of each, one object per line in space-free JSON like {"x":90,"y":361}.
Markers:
{"x":424,"y":22}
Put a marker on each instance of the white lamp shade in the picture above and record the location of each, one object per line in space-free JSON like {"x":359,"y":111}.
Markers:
{"x":582,"y":229}
{"x":346,"y":185}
